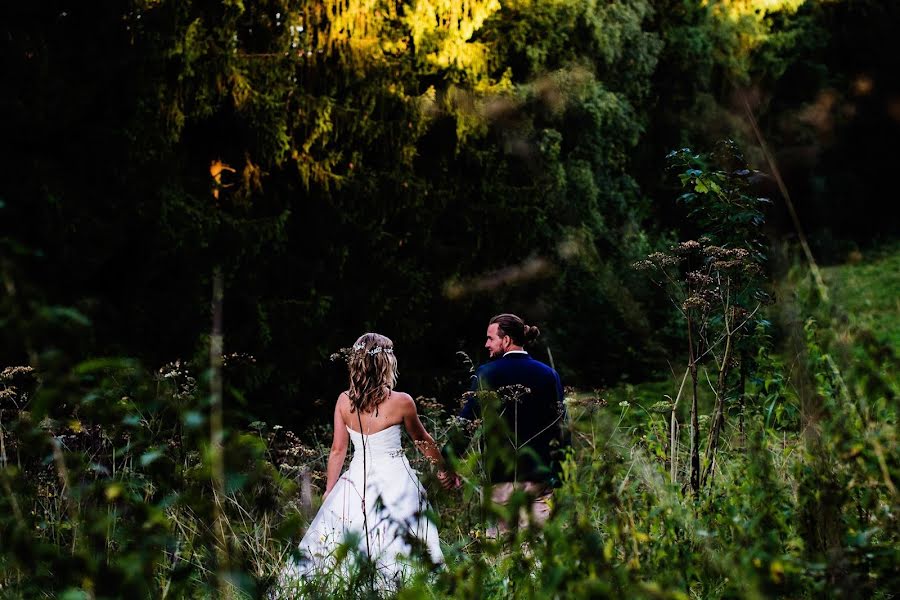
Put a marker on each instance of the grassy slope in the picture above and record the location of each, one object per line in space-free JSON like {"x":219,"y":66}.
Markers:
{"x":869,"y":293}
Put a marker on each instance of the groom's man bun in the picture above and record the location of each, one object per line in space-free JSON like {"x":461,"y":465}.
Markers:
{"x":531,"y":333}
{"x":514,"y":327}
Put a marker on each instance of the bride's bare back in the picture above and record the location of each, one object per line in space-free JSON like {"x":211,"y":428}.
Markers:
{"x":393,"y":411}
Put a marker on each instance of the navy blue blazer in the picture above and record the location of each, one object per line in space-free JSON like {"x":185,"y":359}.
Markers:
{"x":538,"y":421}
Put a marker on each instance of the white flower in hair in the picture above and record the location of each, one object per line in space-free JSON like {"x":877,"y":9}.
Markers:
{"x":373,"y":351}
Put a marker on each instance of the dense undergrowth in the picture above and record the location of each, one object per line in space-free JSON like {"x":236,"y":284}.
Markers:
{"x":111,"y":495}
{"x":777,"y":478}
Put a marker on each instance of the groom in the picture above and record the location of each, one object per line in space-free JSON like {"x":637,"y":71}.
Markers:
{"x":533,"y":411}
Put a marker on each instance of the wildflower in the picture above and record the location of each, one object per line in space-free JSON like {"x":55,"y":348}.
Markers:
{"x":624,"y":404}
{"x":472,"y":425}
{"x":662,"y":407}
{"x":664,"y":260}
{"x":11,"y":372}
{"x":513,"y":392}
{"x":686,"y":247}
{"x":588,"y":402}
{"x":752,"y":269}
{"x":237,"y":358}
{"x":698,"y":279}
{"x":695,"y":302}
{"x":341,"y":354}
{"x":724,"y":265}
{"x":11,"y":394}
{"x":428,"y":403}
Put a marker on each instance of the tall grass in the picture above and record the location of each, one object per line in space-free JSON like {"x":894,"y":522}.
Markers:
{"x":107,"y":486}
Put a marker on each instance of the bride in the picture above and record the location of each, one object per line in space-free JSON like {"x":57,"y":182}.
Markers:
{"x":379,"y":497}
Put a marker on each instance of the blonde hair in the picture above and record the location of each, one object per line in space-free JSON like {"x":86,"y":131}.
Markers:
{"x":373,"y":372}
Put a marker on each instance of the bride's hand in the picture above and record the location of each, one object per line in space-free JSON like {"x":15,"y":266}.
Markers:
{"x":449,"y":481}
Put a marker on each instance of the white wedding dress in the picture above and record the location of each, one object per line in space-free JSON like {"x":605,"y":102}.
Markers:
{"x":379,"y":499}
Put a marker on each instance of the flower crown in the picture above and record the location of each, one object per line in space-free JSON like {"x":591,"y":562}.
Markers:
{"x":373,"y":351}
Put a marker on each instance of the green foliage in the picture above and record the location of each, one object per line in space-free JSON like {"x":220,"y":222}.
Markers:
{"x":107,"y":490}
{"x":106,"y":479}
{"x":849,"y":472}
{"x":343,"y":136}
{"x":433,"y":140}
{"x":418,"y":169}
{"x":717,"y":285}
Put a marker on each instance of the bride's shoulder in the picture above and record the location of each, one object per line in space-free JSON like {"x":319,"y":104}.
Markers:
{"x":403,"y":403}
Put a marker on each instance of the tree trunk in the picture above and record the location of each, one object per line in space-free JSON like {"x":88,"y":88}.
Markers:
{"x":216,"y":434}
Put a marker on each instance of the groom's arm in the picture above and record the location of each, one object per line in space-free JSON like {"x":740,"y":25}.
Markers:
{"x":471,"y":410}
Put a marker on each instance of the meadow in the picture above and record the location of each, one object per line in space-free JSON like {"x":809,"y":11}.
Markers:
{"x":115,"y":495}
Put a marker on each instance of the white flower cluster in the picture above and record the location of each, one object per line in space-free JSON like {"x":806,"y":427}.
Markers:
{"x":12,"y":372}
{"x":184,"y":384}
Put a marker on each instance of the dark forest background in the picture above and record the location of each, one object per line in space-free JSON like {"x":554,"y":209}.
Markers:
{"x":693,"y":199}
{"x":411,"y":172}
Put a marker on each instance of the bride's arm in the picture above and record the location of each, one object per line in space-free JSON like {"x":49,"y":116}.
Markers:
{"x":338,"y":448}
{"x":424,"y":442}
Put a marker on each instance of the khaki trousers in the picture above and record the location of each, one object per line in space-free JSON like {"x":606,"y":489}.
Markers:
{"x":539,"y":495}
